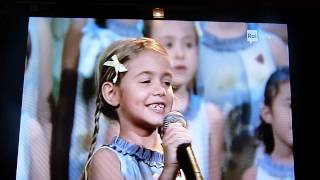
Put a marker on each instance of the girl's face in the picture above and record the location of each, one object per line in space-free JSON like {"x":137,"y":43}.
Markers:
{"x":179,"y":38}
{"x":146,"y":94}
{"x":281,"y":117}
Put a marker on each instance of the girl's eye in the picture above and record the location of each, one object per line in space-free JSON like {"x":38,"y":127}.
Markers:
{"x":169,"y":45}
{"x":167,"y":83}
{"x":146,"y":81}
{"x":189,"y":44}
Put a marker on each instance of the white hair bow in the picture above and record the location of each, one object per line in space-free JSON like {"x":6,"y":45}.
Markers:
{"x":118,"y":67}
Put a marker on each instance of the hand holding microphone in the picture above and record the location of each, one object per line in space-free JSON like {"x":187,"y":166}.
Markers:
{"x":177,"y":146}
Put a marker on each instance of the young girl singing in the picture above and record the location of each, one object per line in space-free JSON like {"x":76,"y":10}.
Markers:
{"x":134,"y":88}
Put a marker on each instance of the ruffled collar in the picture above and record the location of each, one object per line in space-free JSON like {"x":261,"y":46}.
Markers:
{"x":230,"y":44}
{"x":275,"y":168}
{"x":149,"y":157}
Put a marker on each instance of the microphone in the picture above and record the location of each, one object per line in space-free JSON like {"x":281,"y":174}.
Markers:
{"x":185,"y":155}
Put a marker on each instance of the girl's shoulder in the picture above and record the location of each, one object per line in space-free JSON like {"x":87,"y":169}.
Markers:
{"x":102,"y":162}
{"x":198,"y":102}
{"x":212,"y":108}
{"x":212,"y":111}
{"x":215,"y":117}
{"x":103,"y":154}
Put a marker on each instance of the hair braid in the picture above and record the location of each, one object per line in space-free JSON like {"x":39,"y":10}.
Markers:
{"x":96,"y":127}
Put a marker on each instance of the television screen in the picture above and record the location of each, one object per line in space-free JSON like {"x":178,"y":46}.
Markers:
{"x":229,"y":79}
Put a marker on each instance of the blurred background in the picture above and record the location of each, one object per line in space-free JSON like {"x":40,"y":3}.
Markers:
{"x":235,"y":59}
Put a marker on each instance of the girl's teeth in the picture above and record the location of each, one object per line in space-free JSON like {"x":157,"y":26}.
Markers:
{"x":157,"y":107}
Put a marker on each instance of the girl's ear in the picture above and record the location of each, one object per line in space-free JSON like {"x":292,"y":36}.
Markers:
{"x":110,"y":93}
{"x":266,"y":114}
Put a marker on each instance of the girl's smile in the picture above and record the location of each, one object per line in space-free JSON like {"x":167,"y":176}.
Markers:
{"x":157,"y":107}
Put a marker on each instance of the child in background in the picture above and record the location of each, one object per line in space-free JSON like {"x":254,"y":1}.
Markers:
{"x":204,"y":119}
{"x":275,"y":131}
{"x":134,"y":88}
{"x":35,"y":122}
{"x":86,"y":39}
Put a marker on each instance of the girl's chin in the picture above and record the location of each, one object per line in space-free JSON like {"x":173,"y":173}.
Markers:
{"x":156,"y":121}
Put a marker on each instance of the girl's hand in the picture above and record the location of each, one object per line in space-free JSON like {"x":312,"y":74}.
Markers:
{"x":174,"y":136}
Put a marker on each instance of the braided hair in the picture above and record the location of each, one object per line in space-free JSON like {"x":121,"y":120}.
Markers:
{"x":125,"y":50}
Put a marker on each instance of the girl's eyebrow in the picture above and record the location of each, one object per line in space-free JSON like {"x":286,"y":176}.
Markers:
{"x":167,"y":73}
{"x":143,"y":73}
{"x":188,"y":37}
{"x":169,"y":36}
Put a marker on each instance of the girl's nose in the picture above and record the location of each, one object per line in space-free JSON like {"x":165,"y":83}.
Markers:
{"x":160,"y":91}
{"x":179,"y":52}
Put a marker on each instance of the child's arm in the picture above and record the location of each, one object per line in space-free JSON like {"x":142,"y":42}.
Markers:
{"x":216,"y":127}
{"x":170,"y":171}
{"x":104,"y":165}
{"x":174,"y":136}
{"x":250,"y":174}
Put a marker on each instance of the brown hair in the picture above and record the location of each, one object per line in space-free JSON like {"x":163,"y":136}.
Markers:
{"x":125,"y":50}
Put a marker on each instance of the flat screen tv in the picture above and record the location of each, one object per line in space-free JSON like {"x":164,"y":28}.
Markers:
{"x":232,"y":55}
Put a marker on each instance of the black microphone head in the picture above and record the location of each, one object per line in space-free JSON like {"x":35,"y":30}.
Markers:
{"x":173,"y":117}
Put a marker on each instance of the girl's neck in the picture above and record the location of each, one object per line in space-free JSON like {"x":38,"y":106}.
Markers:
{"x":181,"y":98}
{"x":150,"y":141}
{"x":282,"y":153}
{"x":226,"y":29}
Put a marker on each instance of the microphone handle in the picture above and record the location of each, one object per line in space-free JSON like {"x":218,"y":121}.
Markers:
{"x":188,"y":162}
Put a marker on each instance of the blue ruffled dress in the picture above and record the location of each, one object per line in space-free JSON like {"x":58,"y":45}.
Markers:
{"x":136,"y":162}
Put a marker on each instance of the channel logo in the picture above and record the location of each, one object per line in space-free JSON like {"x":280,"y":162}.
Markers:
{"x":252,"y":36}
